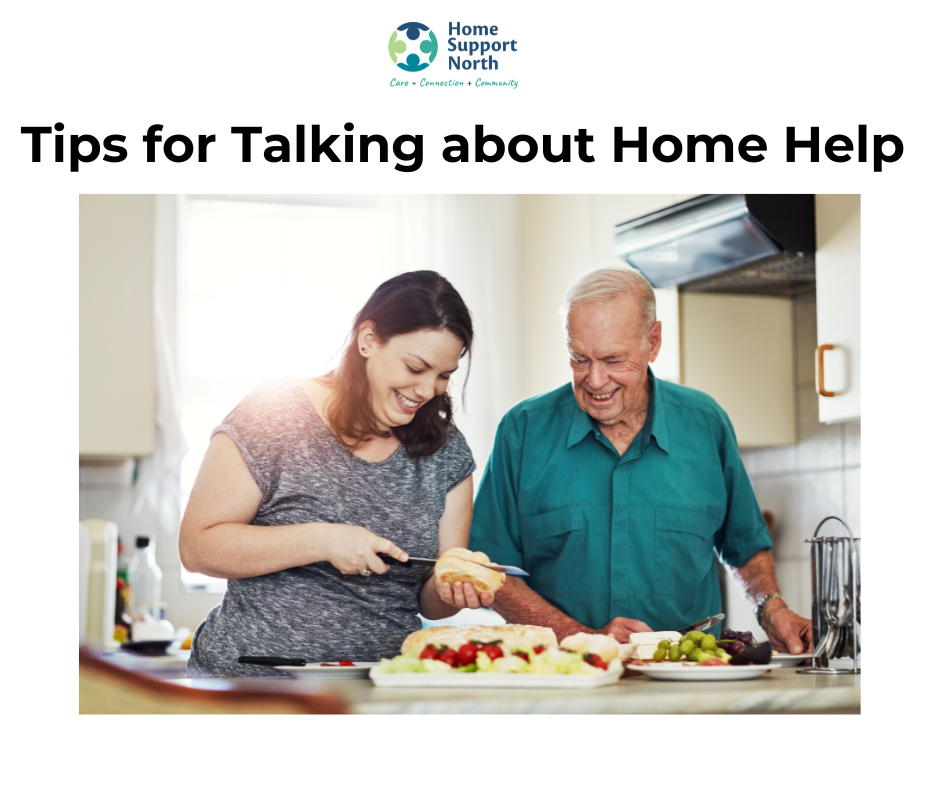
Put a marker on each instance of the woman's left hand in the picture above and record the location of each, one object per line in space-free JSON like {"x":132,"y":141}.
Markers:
{"x":461,"y":595}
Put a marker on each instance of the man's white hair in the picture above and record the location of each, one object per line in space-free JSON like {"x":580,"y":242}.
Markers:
{"x":606,"y":283}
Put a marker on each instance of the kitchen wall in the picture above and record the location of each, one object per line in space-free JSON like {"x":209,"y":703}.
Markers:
{"x":802,"y":484}
{"x":106,"y":491}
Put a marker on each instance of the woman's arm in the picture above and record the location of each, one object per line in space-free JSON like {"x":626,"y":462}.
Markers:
{"x":441,"y":600}
{"x":216,"y":537}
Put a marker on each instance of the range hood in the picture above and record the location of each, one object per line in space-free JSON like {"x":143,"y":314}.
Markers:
{"x":737,"y":243}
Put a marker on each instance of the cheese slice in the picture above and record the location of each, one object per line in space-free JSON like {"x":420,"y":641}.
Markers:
{"x":645,"y":651}
{"x":652,"y":638}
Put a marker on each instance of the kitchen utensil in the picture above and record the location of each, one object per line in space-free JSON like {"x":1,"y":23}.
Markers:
{"x":836,"y":593}
{"x":272,"y":662}
{"x":513,"y":571}
{"x":701,"y":626}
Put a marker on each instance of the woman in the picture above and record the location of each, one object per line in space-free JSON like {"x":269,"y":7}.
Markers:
{"x":362,"y":462}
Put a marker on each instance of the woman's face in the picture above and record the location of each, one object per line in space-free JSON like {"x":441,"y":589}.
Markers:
{"x":408,"y":371}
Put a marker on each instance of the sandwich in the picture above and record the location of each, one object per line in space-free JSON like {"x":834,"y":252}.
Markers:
{"x":605,"y":647}
{"x":459,"y":565}
{"x":643,"y":645}
{"x":509,"y":637}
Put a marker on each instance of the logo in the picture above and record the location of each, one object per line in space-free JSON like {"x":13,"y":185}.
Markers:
{"x":416,"y":49}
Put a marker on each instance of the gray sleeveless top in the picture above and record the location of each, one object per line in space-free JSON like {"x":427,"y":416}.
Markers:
{"x":306,"y":475}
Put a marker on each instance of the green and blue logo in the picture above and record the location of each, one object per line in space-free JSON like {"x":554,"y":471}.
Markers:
{"x":415,"y":49}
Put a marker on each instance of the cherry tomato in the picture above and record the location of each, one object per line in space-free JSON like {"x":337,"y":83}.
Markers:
{"x":538,"y":649}
{"x":430,"y":653}
{"x":467,"y":654}
{"x":450,"y":657}
{"x":347,"y":663}
{"x":493,"y":652}
{"x":521,"y":655}
{"x":595,"y":661}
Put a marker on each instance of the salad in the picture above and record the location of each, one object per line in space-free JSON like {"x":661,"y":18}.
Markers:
{"x":490,"y":658}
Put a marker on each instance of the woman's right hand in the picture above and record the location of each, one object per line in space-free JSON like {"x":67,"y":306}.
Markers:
{"x":352,"y":548}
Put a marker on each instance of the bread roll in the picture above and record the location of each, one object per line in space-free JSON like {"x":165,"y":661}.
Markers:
{"x":459,"y":565}
{"x":584,"y":643}
{"x":513,"y":636}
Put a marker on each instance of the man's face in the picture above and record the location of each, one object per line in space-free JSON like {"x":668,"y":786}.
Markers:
{"x":609,"y":352}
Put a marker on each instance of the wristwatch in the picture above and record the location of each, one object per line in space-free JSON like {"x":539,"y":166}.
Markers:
{"x":760,"y":605}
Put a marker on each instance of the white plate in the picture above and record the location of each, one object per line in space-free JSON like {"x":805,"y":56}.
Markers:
{"x":479,"y":680}
{"x":359,"y":670}
{"x":683,"y":671}
{"x":789,"y":660}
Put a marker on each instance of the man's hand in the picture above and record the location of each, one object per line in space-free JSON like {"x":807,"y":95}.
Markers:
{"x":787,"y":631}
{"x":621,"y":628}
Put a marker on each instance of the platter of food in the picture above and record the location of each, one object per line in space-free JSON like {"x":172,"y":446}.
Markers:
{"x":691,"y":671}
{"x":515,"y":656}
{"x":354,"y":670}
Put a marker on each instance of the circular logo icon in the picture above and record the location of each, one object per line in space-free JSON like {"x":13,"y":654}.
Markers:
{"x":413,"y":46}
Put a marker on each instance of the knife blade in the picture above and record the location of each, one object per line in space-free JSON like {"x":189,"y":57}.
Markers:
{"x":513,"y":571}
{"x":701,"y":626}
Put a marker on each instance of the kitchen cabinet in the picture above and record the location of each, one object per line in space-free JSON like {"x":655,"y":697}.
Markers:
{"x":838,"y":306}
{"x":117,"y":378}
{"x":739,"y":349}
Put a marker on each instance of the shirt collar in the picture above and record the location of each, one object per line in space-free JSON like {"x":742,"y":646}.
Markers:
{"x":583,"y":425}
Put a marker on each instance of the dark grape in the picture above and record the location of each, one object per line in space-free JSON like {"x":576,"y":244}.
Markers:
{"x":728,"y":634}
{"x":746,"y":637}
{"x":735,"y":648}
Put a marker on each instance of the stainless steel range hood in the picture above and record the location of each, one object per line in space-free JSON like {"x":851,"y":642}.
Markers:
{"x":744,"y":243}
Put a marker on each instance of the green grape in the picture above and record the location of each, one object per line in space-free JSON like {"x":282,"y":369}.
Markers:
{"x":663,"y":644}
{"x":659,"y":655}
{"x":709,"y":642}
{"x":674,"y":652}
{"x":697,"y":637}
{"x":697,"y":655}
{"x":686,"y":647}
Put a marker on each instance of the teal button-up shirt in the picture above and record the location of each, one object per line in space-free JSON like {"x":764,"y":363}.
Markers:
{"x":604,"y":535}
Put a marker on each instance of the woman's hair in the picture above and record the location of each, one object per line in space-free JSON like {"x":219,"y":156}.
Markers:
{"x":415,"y":301}
{"x":606,"y":283}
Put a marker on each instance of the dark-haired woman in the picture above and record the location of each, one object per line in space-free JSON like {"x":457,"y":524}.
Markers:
{"x":362,"y":462}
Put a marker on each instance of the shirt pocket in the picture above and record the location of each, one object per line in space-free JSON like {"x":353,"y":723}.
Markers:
{"x":685,"y":541}
{"x":554,"y":549}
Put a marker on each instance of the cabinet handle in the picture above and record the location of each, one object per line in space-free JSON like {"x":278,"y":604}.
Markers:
{"x":821,"y":365}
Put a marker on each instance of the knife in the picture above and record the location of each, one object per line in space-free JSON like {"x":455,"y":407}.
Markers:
{"x":513,"y":571}
{"x":294,"y":662}
{"x":701,"y":626}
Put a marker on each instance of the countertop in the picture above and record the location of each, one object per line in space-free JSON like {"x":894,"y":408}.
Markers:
{"x":782,"y":691}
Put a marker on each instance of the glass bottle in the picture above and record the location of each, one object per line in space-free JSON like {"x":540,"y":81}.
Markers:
{"x":146,"y":580}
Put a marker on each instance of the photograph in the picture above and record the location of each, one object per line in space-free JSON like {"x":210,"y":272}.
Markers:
{"x":540,"y":453}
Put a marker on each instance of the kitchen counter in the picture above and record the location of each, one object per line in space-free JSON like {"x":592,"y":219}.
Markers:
{"x":784,"y":691}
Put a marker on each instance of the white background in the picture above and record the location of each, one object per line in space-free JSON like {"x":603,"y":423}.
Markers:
{"x":680,"y":68}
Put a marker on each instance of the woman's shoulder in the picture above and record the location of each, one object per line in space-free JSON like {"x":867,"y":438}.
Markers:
{"x":272,"y":402}
{"x":454,"y":460}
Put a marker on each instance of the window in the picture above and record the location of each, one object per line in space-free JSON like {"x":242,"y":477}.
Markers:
{"x":268,"y":288}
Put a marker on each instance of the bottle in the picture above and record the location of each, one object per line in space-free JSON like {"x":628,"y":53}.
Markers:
{"x":146,"y":580}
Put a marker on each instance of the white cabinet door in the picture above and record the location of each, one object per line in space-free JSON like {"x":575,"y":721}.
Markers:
{"x":739,"y":349}
{"x":117,"y":378}
{"x":838,"y":306}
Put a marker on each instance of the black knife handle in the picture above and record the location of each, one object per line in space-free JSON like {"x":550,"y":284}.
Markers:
{"x":410,"y":562}
{"x":273,"y":661}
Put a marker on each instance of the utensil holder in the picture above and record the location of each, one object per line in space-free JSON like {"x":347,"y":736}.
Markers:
{"x":836,"y":595}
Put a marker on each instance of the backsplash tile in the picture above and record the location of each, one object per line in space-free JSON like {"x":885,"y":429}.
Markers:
{"x":802,"y":484}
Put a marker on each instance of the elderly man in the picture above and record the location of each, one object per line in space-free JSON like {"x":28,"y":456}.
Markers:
{"x":615,"y":492}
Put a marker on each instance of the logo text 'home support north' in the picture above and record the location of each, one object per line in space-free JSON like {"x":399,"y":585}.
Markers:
{"x":413,"y":46}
